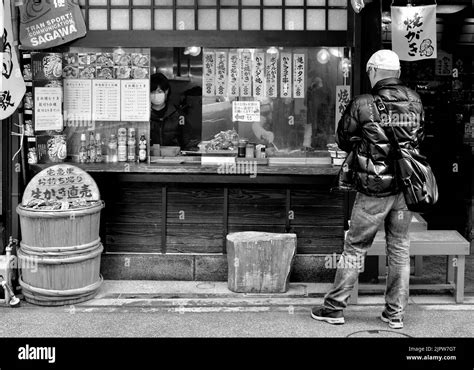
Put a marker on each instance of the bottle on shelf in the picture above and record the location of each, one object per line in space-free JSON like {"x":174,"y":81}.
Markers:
{"x":122,"y":145}
{"x":92,"y":150}
{"x":83,"y":150}
{"x":142,"y":149}
{"x":112,"y":149}
{"x":98,"y":148}
{"x":132,"y":143}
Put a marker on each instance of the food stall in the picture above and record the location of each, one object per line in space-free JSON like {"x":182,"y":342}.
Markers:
{"x":255,"y":91}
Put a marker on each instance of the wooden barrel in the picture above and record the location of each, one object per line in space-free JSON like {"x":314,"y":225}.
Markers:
{"x":59,"y":255}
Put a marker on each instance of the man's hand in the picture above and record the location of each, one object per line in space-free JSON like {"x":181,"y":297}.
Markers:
{"x":268,"y":136}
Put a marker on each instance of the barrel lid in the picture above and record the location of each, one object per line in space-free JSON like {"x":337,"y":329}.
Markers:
{"x":62,"y":182}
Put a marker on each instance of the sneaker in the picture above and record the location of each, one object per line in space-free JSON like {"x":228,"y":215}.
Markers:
{"x":393,"y":323}
{"x":330,"y":316}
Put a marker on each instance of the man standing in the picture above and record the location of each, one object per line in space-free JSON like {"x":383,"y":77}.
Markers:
{"x":379,"y":197}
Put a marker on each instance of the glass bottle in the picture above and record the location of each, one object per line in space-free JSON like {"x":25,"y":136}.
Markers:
{"x":132,"y":142}
{"x":122,"y":145}
{"x":98,"y":148}
{"x":83,"y":149}
{"x":142,"y":149}
{"x":92,"y":150}
{"x":112,"y":149}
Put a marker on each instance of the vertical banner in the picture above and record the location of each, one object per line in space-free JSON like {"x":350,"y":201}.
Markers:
{"x":271,"y":68}
{"x":343,"y":97}
{"x":298,"y":75}
{"x":444,"y":64}
{"x":234,"y":75}
{"x":414,"y":32}
{"x":12,"y":86}
{"x":209,"y":73}
{"x":285,"y":75}
{"x":246,"y":75}
{"x":221,"y":73}
{"x":259,"y":75}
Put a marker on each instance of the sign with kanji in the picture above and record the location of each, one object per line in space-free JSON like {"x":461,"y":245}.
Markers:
{"x":343,"y":97}
{"x":271,"y":75}
{"x":444,"y":64}
{"x":48,"y":113}
{"x":221,"y":73}
{"x":298,"y":75}
{"x":259,"y":75}
{"x":209,"y":73}
{"x":414,"y":32}
{"x":246,"y":111}
{"x":63,"y":183}
{"x":234,"y":75}
{"x":285,"y":75}
{"x":246,"y":75}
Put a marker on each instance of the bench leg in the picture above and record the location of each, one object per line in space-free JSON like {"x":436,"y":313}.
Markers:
{"x":460,"y":269}
{"x":382,"y":265}
{"x":418,"y":265}
{"x":355,"y":293}
{"x":450,"y":270}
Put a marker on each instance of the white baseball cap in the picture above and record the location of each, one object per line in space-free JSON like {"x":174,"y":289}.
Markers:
{"x":384,"y":59}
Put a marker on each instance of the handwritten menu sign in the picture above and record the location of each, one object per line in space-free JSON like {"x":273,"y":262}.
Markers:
{"x":209,"y":60}
{"x":77,"y":100}
{"x":298,"y":75}
{"x":444,"y":64}
{"x":135,"y":100}
{"x":62,"y":182}
{"x":285,"y":75}
{"x":106,"y":100}
{"x":246,"y":111}
{"x":221,"y":73}
{"x":259,"y":75}
{"x":271,"y":73}
{"x":48,"y":108}
{"x":234,"y":75}
{"x":246,"y":75}
{"x":343,"y":96}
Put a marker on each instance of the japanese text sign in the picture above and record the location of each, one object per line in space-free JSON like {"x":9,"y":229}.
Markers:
{"x":63,"y":182}
{"x":271,"y":75}
{"x":221,"y":73}
{"x":285,"y":75}
{"x":444,"y":64}
{"x":234,"y":74}
{"x":298,"y":75}
{"x":209,"y":66}
{"x":343,"y":96}
{"x":246,"y":75}
{"x":246,"y":111}
{"x":414,"y":32}
{"x":259,"y":75}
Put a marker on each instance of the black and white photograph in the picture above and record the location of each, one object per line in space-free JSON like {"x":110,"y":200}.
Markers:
{"x":263,"y":180}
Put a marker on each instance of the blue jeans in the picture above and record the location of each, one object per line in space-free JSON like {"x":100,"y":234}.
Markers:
{"x":367,"y":215}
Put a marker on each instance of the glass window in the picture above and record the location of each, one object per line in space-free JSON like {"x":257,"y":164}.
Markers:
{"x":229,"y":19}
{"x":185,"y":19}
{"x":271,"y":2}
{"x":316,"y":2}
{"x":97,"y":2}
{"x":250,"y":19}
{"x":294,"y":2}
{"x":163,"y":2}
{"x":97,"y":19}
{"x":207,"y":2}
{"x":119,"y":3}
{"x":272,"y":19}
{"x":207,"y":19}
{"x":185,"y":2}
{"x":315,"y":20}
{"x":119,"y":19}
{"x":248,"y":3}
{"x":337,"y":2}
{"x":163,"y":19}
{"x":141,"y":19}
{"x":142,"y":2}
{"x":337,"y":20}
{"x":294,"y":19}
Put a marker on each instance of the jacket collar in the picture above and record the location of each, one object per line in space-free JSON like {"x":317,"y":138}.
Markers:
{"x":391,"y":81}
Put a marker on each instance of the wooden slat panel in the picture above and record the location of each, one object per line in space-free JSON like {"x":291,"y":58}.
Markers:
{"x":318,"y":216}
{"x":139,"y":237}
{"x":257,"y":206}
{"x":195,"y":205}
{"x":316,"y":197}
{"x":194,"y":238}
{"x":263,"y":228}
{"x":319,"y":240}
{"x":133,"y":213}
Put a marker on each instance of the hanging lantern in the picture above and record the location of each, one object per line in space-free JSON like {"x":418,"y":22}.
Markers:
{"x":358,"y":5}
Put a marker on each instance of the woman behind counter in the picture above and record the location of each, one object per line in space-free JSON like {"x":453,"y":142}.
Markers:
{"x":164,"y":123}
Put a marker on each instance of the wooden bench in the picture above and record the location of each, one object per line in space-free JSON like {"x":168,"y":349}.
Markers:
{"x":432,"y":243}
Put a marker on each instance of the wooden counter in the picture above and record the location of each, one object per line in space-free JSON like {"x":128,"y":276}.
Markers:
{"x":180,"y":210}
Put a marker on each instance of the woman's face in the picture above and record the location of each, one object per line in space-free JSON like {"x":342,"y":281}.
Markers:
{"x":158,"y":96}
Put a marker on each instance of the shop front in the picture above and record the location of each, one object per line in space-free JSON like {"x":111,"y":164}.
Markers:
{"x":198,"y":119}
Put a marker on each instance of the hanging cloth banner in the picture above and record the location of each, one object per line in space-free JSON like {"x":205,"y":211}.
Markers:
{"x":221,"y":73}
{"x":343,"y":97}
{"x":12,"y":86}
{"x":285,"y":75}
{"x":209,"y":73}
{"x":271,"y":71}
{"x":48,"y":23}
{"x":259,"y":75}
{"x":234,"y":75}
{"x":414,"y":32}
{"x":246,"y":75}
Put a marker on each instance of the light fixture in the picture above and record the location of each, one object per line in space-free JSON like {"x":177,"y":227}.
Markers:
{"x":336,"y":52}
{"x":272,"y":50}
{"x":323,"y":56}
{"x":386,"y":21}
{"x":192,"y":50}
{"x":358,"y":5}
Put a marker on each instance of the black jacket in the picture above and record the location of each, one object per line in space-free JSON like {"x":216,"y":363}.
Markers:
{"x":360,"y":127}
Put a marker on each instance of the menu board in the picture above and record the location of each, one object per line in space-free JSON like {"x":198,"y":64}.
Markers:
{"x":234,"y":75}
{"x":259,"y":75}
{"x":285,"y":75}
{"x":48,"y":108}
{"x":106,"y":100}
{"x":77,"y":100}
{"x":135,"y":104}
